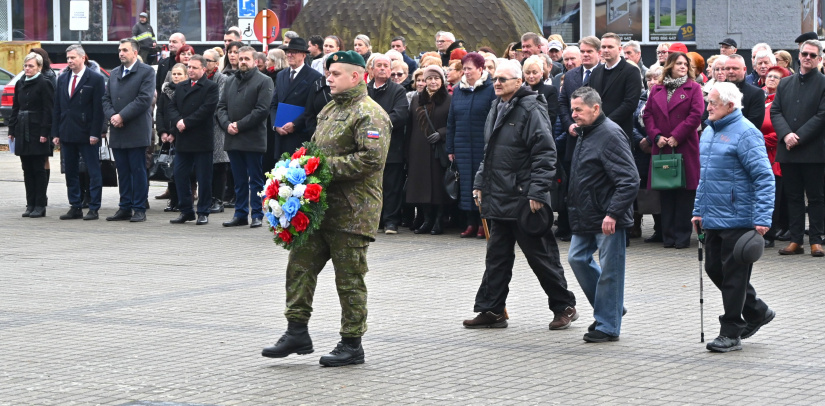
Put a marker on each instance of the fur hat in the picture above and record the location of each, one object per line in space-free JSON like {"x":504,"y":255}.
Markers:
{"x":434,"y":70}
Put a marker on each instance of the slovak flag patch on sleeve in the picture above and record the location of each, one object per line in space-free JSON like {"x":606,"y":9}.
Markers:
{"x":373,"y":134}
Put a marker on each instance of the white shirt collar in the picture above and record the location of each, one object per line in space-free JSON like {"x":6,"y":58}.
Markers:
{"x":297,"y":70}
{"x":79,"y":74}
{"x":129,"y":68}
{"x":614,"y":65}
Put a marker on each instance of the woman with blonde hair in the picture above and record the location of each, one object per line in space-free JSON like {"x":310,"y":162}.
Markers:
{"x":783,"y":59}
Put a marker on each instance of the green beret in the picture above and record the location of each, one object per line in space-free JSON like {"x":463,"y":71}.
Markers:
{"x":350,"y":57}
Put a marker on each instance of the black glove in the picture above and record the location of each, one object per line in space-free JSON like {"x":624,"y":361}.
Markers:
{"x":433,"y":138}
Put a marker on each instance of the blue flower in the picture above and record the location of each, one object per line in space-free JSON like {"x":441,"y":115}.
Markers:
{"x":281,"y":164}
{"x":292,"y":205}
{"x":296,"y":175}
{"x":271,"y":219}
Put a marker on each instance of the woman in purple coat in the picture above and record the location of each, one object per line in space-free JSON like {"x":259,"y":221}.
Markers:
{"x":672,"y":117}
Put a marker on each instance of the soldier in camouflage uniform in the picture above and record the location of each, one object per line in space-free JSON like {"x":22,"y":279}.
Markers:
{"x":354,"y":134}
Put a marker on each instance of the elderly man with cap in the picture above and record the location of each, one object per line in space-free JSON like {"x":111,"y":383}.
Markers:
{"x":734,"y":163}
{"x":727,"y":47}
{"x":512,"y":187}
{"x":144,"y":34}
{"x":292,"y":87}
{"x":354,"y":133}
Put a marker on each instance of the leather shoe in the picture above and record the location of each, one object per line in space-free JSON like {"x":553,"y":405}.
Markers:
{"x":73,"y":213}
{"x":470,"y":232}
{"x":236,"y":221}
{"x":480,"y":234}
{"x":202,"y":220}
{"x":28,"y":211}
{"x":182,"y":218}
{"x":437,"y":229}
{"x":656,"y":237}
{"x":783,"y":235}
{"x":792,"y":249}
{"x":164,"y":195}
{"x":38,"y":212}
{"x":816,"y":249}
{"x":292,"y":342}
{"x":769,"y":243}
{"x":120,"y":215}
{"x":171,"y":208}
{"x":138,"y":217}
{"x":343,"y":354}
{"x":216,"y":207}
{"x":425,"y":228}
{"x":256,"y":222}
{"x":725,"y":344}
{"x":91,"y":215}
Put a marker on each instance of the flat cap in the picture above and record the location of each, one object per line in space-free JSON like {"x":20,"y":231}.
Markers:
{"x":729,"y":42}
{"x":806,"y":36}
{"x":143,"y":14}
{"x":348,"y":57}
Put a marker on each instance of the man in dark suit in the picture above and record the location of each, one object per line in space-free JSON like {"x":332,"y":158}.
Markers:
{"x":753,"y":98}
{"x":76,"y":126}
{"x":176,"y":41}
{"x":574,"y":79}
{"x":393,"y":99}
{"x":191,"y":113}
{"x":618,"y":83}
{"x":798,"y":115}
{"x":127,"y":105}
{"x":292,"y":86}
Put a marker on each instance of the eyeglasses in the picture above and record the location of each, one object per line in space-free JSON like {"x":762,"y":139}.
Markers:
{"x":774,"y":77}
{"x":661,"y":52}
{"x":441,"y":41}
{"x":210,"y":60}
{"x":812,"y":55}
{"x":502,"y":80}
{"x":396,"y":75}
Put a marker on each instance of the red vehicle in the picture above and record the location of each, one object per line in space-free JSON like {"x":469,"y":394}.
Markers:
{"x":7,"y":99}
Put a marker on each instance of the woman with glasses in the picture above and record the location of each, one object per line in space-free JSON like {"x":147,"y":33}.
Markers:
{"x":30,"y":126}
{"x":472,"y":99}
{"x":779,"y":225}
{"x":661,"y":55}
{"x":426,"y":129}
{"x":717,"y":69}
{"x":783,"y":59}
{"x":401,"y":75}
{"x":672,"y":116}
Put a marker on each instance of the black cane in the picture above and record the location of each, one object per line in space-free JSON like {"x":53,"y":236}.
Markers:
{"x":701,"y":236}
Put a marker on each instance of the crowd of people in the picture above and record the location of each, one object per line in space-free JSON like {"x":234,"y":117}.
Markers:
{"x":546,"y":122}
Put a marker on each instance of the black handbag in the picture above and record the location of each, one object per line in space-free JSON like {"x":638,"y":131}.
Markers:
{"x":451,"y":181}
{"x":108,"y":170}
{"x":162,"y":169}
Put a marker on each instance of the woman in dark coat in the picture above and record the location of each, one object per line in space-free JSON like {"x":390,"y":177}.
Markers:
{"x":425,"y":179}
{"x":30,"y":127}
{"x":163,"y":123}
{"x":534,"y":76}
{"x":672,"y":116}
{"x":472,"y":99}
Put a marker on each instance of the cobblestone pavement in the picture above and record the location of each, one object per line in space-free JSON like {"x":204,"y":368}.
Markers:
{"x":119,"y":313}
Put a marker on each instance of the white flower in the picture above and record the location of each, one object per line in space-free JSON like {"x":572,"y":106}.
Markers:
{"x":284,"y":222}
{"x":280,"y":173}
{"x":294,"y":163}
{"x":299,"y":190}
{"x":276,"y":208}
{"x":285,"y":191}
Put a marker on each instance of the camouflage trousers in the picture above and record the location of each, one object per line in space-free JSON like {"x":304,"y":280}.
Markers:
{"x":349,"y":258}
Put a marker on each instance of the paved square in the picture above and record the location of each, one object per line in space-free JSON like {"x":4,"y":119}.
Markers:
{"x":111,"y":313}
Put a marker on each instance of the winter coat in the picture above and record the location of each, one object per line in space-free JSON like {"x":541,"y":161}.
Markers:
{"x":425,"y":175}
{"x":392,"y":98}
{"x":604,"y":180}
{"x":77,"y":118}
{"x":770,"y":135}
{"x":753,"y":103}
{"x":295,"y":93}
{"x":163,"y":123}
{"x":131,"y":97}
{"x":31,"y":116}
{"x":799,"y":107}
{"x":551,"y":96}
{"x":677,"y":118}
{"x":519,"y":156}
{"x":736,"y":188}
{"x":195,"y":105}
{"x":144,"y":35}
{"x":619,"y":89}
{"x":245,"y":100}
{"x":218,"y":154}
{"x":465,"y":132}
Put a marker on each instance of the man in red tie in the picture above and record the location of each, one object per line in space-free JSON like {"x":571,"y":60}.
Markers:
{"x":77,"y":125}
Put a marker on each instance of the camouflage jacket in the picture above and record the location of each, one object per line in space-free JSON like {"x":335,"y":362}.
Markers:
{"x":354,"y":133}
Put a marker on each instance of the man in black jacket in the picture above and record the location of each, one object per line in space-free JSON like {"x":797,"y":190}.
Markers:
{"x":603,"y":185}
{"x":176,"y":41}
{"x":753,"y":98}
{"x":618,"y":83}
{"x":798,"y":115}
{"x":393,"y":99}
{"x":518,"y":167}
{"x":191,"y":113}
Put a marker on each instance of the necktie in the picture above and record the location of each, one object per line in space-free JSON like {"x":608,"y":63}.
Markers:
{"x":586,"y":78}
{"x":74,"y":81}
{"x":125,"y":72}
{"x":193,"y":83}
{"x":292,"y":76}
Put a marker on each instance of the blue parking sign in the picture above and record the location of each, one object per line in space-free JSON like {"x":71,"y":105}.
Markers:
{"x":247,"y":8}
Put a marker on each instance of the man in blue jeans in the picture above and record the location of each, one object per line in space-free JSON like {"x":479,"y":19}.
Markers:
{"x":603,"y":185}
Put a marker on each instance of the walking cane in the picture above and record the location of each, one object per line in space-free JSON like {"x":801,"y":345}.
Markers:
{"x":487,"y":236}
{"x":701,"y":236}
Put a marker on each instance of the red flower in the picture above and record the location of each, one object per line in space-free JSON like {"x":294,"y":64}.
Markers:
{"x":299,"y":153}
{"x":300,"y":221}
{"x":285,"y":236}
{"x":313,"y":192}
{"x":272,"y":190}
{"x":312,"y":165}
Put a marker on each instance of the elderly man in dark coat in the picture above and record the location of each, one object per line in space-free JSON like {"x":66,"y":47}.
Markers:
{"x":393,"y":99}
{"x":242,"y":110}
{"x":518,"y":168}
{"x":127,"y":105}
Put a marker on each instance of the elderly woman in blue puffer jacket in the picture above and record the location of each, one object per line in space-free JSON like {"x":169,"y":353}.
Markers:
{"x":472,"y":99}
{"x":734,"y":197}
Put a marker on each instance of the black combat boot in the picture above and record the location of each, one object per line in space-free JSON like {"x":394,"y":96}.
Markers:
{"x":347,"y":352}
{"x":294,"y":341}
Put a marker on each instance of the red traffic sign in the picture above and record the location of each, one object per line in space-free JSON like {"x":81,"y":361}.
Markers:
{"x":268,"y":33}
